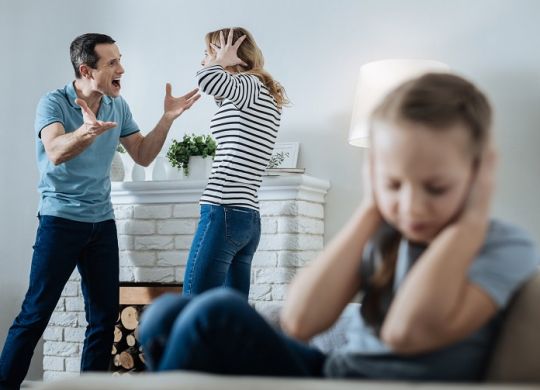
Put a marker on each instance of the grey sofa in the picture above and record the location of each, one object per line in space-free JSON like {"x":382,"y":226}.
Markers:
{"x":515,"y":362}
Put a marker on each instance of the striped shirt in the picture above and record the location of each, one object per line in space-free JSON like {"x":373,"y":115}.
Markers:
{"x":245,"y":128}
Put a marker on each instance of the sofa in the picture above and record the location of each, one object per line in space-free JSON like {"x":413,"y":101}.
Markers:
{"x":515,"y":363}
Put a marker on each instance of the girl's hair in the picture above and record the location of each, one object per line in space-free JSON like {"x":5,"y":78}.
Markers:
{"x":438,"y":101}
{"x":250,"y":53}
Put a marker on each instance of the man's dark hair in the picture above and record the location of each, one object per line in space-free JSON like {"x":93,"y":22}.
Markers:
{"x":82,"y":50}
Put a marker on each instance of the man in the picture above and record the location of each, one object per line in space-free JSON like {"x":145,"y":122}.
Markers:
{"x":78,"y":129}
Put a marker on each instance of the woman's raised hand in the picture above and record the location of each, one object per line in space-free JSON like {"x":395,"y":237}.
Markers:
{"x":226,"y":54}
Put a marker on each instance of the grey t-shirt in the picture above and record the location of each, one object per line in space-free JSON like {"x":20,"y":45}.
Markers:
{"x":507,"y":259}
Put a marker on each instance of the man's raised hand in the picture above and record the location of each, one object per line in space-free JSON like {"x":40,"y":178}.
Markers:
{"x":92,"y":126}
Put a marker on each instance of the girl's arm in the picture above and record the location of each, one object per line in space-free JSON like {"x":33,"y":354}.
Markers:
{"x":437,"y":305}
{"x":319,"y":293}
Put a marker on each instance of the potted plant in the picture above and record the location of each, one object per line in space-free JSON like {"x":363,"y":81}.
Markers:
{"x":180,"y":152}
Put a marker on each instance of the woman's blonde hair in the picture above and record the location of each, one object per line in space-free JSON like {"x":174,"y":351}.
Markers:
{"x":252,"y":55}
{"x":438,"y":101}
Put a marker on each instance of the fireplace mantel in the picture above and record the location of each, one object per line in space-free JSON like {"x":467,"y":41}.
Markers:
{"x":284,"y":187}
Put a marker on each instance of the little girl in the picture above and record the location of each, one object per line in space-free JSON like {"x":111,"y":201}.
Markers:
{"x":435,"y":272}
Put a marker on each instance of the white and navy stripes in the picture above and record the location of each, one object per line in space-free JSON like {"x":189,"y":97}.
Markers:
{"x":245,"y":128}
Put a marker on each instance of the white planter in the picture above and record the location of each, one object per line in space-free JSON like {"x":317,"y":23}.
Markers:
{"x":117,"y":168}
{"x":173,"y":173}
{"x":199,"y":168}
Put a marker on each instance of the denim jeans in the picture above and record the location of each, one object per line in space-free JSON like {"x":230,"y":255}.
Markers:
{"x":219,"y":332}
{"x":222,"y":249}
{"x":61,"y":245}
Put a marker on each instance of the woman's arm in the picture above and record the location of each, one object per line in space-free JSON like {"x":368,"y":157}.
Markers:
{"x":437,"y":304}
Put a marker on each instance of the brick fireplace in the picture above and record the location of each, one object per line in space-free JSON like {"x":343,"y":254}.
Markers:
{"x":156,"y":221}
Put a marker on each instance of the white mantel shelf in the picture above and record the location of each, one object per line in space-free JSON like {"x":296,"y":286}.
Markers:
{"x":179,"y":191}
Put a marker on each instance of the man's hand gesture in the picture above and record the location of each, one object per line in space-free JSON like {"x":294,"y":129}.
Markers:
{"x":174,"y":106}
{"x":92,"y":126}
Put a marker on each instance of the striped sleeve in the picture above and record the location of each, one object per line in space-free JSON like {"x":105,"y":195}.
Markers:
{"x":241,"y":89}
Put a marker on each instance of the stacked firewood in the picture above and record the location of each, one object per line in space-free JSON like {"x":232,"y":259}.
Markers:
{"x":127,"y":355}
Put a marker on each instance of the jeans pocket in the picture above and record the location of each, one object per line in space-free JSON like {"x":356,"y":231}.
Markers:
{"x":239,"y":225}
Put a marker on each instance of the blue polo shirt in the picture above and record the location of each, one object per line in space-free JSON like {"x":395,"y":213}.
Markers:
{"x":79,"y":189}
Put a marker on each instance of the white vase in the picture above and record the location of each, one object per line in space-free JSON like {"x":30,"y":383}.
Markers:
{"x":138,"y":173}
{"x":117,"y":168}
{"x":199,"y":168}
{"x":159,"y":170}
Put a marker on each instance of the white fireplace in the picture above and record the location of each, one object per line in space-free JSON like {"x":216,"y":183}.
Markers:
{"x":156,"y":221}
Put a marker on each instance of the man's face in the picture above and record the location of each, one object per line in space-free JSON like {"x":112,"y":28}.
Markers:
{"x":106,"y":77}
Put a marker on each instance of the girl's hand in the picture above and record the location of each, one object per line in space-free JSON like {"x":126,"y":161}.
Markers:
{"x":476,"y":211}
{"x":368,"y":199}
{"x":226,"y":54}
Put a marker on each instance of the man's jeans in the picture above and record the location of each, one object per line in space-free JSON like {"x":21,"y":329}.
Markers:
{"x":62,"y":244}
{"x":219,"y":332}
{"x":222,"y":249}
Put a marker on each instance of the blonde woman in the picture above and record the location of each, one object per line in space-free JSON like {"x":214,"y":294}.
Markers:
{"x":245,"y":128}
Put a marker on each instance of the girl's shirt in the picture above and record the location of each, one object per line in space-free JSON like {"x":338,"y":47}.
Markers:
{"x":245,"y":128}
{"x":507,"y":259}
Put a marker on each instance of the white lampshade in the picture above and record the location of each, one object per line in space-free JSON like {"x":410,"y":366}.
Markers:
{"x":375,"y":80}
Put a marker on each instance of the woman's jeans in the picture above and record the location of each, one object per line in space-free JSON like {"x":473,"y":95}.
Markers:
{"x":61,"y":245}
{"x":222,"y":249}
{"x":219,"y":332}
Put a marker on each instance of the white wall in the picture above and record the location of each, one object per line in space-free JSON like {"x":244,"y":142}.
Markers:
{"x":314,"y":48}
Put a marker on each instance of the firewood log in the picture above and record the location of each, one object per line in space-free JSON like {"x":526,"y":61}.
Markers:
{"x":117,"y":334}
{"x":131,"y":340}
{"x":129,"y":317}
{"x":126,"y":360}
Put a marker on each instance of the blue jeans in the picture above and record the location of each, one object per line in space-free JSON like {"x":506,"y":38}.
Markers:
{"x":61,"y":245}
{"x":222,"y":249}
{"x":219,"y":332}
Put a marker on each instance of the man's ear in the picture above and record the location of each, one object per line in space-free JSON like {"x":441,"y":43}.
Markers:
{"x":85,"y":71}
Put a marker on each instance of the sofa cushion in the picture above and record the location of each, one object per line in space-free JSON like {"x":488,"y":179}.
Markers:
{"x":516,"y":357}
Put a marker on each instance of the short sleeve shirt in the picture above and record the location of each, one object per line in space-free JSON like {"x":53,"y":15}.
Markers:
{"x":506,"y":260}
{"x":79,"y":189}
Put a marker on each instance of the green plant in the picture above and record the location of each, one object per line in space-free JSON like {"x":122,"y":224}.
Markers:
{"x":191,"y":145}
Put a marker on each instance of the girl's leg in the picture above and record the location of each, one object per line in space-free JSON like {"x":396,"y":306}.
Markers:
{"x":219,"y":332}
{"x":156,"y":324}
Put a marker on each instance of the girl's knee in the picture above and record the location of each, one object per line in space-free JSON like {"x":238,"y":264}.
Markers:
{"x":159,"y":314}
{"x":217,"y":304}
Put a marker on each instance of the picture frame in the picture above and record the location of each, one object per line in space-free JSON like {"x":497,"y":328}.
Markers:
{"x":285,"y":155}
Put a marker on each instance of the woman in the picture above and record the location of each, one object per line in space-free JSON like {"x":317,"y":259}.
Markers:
{"x":245,"y":127}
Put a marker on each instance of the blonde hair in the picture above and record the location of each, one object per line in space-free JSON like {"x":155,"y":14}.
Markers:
{"x":252,"y":55}
{"x":439,"y":101}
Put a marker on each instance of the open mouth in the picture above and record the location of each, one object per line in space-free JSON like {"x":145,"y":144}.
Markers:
{"x":116,"y":83}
